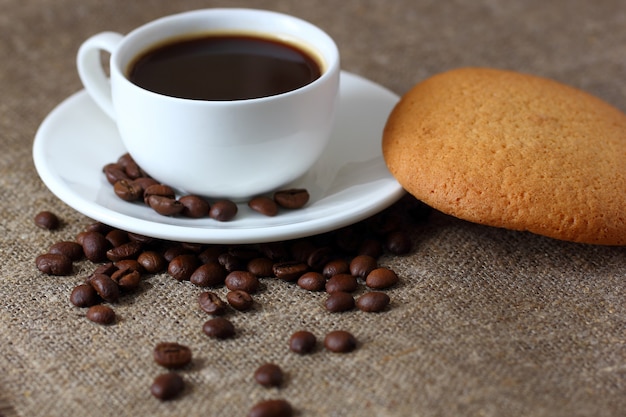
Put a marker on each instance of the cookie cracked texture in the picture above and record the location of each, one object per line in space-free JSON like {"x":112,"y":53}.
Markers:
{"x":515,"y":151}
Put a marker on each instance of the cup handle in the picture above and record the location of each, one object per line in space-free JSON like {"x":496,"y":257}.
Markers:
{"x":91,"y":72}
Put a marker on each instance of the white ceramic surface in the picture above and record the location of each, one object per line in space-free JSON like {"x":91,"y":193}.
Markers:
{"x":234,"y":148}
{"x":349,"y":183}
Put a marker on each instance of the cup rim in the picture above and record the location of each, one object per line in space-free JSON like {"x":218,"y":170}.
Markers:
{"x":119,"y":59}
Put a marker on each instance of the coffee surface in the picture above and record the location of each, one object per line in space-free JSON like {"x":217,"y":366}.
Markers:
{"x":223,"y":67}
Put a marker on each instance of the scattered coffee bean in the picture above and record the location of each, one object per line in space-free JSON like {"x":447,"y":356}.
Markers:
{"x":334,"y":267}
{"x":341,"y":282}
{"x":172,"y":354}
{"x":130,"y":264}
{"x":340,"y":341}
{"x":312,"y":281}
{"x":371,"y":247}
{"x":240,"y":300}
{"x":208,"y":275}
{"x":320,"y":257}
{"x":54,"y":264}
{"x":381,"y":278}
{"x":127,"y":279}
{"x":261,"y":267}
{"x":269,"y":375}
{"x":128,"y":250}
{"x":167,"y":386}
{"x":182,"y":267}
{"x":362,"y":265}
{"x":242,"y":280}
{"x":271,"y":408}
{"x":101,"y":314}
{"x":302,"y":342}
{"x":219,"y":328}
{"x":194,"y":206}
{"x":264,"y":205}
{"x":105,"y":287}
{"x":47,"y":220}
{"x":211,"y":303}
{"x":223,"y":210}
{"x":70,"y":249}
{"x":339,"y":301}
{"x":373,"y":302}
{"x":289,"y":270}
{"x":117,"y":237}
{"x":291,"y":199}
{"x":399,"y":243}
{"x":84,"y":295}
{"x":153,"y":262}
{"x":95,"y":246}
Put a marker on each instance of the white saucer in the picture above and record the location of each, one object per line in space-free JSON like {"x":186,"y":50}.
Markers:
{"x":348,"y":184}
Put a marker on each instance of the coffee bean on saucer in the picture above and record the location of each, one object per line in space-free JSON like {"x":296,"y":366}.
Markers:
{"x":128,"y":190}
{"x":194,"y":206}
{"x":340,"y":341}
{"x":172,"y":354}
{"x":47,"y":220}
{"x":264,"y":205}
{"x":158,"y":190}
{"x":167,"y":386}
{"x":223,"y":210}
{"x":114,"y":173}
{"x":165,"y":206}
{"x":294,"y":198}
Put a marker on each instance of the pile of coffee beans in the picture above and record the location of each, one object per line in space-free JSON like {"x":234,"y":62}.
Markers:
{"x":338,"y":263}
{"x":131,"y":183}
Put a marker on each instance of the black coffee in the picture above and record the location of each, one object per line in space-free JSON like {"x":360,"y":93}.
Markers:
{"x":224,"y":67}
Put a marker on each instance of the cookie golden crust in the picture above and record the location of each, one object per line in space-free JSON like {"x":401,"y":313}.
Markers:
{"x":512,"y":150}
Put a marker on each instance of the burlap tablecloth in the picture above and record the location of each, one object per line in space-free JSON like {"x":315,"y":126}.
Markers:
{"x":486,"y":322}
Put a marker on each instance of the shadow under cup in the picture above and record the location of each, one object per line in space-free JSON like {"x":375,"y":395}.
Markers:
{"x":224,"y":146}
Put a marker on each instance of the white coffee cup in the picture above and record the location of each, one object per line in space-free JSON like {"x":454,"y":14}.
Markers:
{"x":229,"y":149}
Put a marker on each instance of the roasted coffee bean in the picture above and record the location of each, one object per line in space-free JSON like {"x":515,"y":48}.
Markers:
{"x":172,"y":354}
{"x":381,"y":278}
{"x":47,"y":220}
{"x":182,"y":266}
{"x":223,"y":210}
{"x":271,"y":408}
{"x":302,"y":342}
{"x":128,"y":190}
{"x":208,"y":275}
{"x":101,"y":314}
{"x":105,"y":287}
{"x":362,"y":265}
{"x":219,"y":328}
{"x":289,"y":270}
{"x":261,"y":267}
{"x":193,"y":247}
{"x":398,"y":243}
{"x":240,"y":300}
{"x":264,"y":205}
{"x":128,"y":250}
{"x":127,"y":279}
{"x":153,"y":262}
{"x":161,"y":190}
{"x":194,"y":206}
{"x":339,"y":301}
{"x":340,"y":341}
{"x":294,"y":198}
{"x":70,"y":249}
{"x":144,"y":183}
{"x":211,"y":254}
{"x":341,"y":282}
{"x":130,"y":166}
{"x":107,"y":269}
{"x":320,"y":257}
{"x":231,"y":263}
{"x":131,"y":264}
{"x":165,"y":206}
{"x":54,"y":264}
{"x":348,"y":240}
{"x":175,"y":250}
{"x":84,"y":295}
{"x":301,"y":250}
{"x":167,"y":386}
{"x":371,"y":247}
{"x":269,"y":375}
{"x":117,"y":237}
{"x":98,"y":227}
{"x":211,"y":303}
{"x":242,"y":280}
{"x":95,"y":246}
{"x":276,"y":251}
{"x":143,"y":239}
{"x":114,"y":173}
{"x":373,"y":302}
{"x":312,"y":281}
{"x":334,"y":267}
